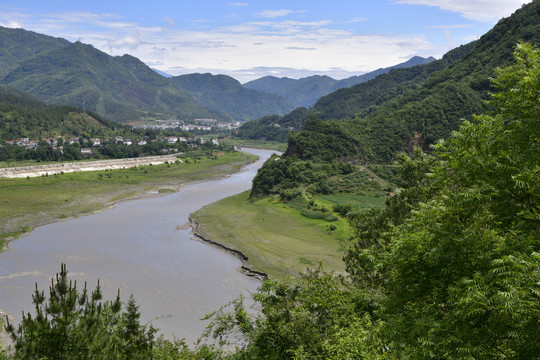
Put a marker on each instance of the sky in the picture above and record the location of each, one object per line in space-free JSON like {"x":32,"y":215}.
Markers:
{"x":249,"y":39}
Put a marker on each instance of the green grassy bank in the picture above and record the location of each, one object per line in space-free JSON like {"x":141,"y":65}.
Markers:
{"x":30,"y":202}
{"x":276,"y":238}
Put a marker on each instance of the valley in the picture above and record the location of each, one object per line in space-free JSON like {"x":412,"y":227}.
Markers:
{"x":393,"y":215}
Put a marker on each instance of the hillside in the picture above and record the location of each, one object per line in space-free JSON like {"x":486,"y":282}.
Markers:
{"x":17,"y":45}
{"x":122,"y":88}
{"x":228,"y":95}
{"x":306,"y":91}
{"x":24,"y":116}
{"x":390,"y":118}
{"x":369,"y":123}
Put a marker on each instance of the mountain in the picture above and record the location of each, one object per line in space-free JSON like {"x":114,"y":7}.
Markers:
{"x":371,"y":122}
{"x":228,"y":95}
{"x":353,"y":80}
{"x":22,"y":115}
{"x":122,"y":88}
{"x":17,"y":45}
{"x":423,"y":104}
{"x":306,"y":91}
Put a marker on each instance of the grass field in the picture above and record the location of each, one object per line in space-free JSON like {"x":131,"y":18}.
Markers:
{"x":259,"y":144}
{"x":30,"y":202}
{"x":276,"y":238}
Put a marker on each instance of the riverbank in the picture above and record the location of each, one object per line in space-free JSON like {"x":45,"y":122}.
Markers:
{"x":59,"y":168}
{"x":30,"y":202}
{"x":272,"y":238}
{"x":195,"y":230}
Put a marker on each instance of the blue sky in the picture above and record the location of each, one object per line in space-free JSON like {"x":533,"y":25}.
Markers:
{"x":248,"y":39}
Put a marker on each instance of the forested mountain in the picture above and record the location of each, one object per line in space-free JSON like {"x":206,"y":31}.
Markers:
{"x":274,"y":127}
{"x":306,"y":91}
{"x":22,"y":116}
{"x":223,"y":93}
{"x":345,"y":103}
{"x":121,"y":88}
{"x":348,"y":82}
{"x":406,"y":107}
{"x":17,"y":45}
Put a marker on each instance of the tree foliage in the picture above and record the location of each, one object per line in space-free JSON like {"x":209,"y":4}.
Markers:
{"x":449,"y":269}
{"x":73,"y":324}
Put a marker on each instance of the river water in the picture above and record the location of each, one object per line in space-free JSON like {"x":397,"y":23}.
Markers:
{"x":136,"y":247}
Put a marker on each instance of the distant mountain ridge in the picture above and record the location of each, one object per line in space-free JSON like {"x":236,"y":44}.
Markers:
{"x":228,"y":95}
{"x":121,"y":88}
{"x":405,"y":107}
{"x":306,"y":91}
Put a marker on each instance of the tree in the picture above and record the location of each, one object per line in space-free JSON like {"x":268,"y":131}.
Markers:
{"x":72,"y":324}
{"x":459,"y":275}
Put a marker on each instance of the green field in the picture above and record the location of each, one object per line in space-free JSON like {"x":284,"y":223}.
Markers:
{"x":275,"y":237}
{"x":259,"y":144}
{"x":30,"y":202}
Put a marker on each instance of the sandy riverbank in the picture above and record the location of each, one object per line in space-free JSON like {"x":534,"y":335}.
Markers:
{"x":50,"y":169}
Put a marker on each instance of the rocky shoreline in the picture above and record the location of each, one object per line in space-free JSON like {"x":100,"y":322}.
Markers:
{"x":195,"y":230}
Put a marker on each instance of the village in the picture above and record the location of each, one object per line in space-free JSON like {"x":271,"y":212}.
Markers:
{"x":57,"y":143}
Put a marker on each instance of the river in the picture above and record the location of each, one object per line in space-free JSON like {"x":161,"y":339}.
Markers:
{"x":136,"y":247}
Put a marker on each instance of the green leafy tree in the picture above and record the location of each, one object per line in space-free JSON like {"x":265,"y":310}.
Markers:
{"x":458,"y":276}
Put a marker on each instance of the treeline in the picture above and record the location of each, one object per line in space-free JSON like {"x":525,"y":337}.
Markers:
{"x":22,"y":116}
{"x":273,"y":127}
{"x":112,"y":150}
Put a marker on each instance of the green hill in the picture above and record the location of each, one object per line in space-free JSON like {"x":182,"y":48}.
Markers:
{"x":22,"y":116}
{"x":17,"y":45}
{"x":228,"y":95}
{"x":371,"y":122}
{"x":419,"y":105}
{"x":121,"y":89}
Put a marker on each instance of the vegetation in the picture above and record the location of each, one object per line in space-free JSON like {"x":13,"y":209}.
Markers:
{"x":22,"y":116}
{"x":73,"y":324}
{"x":273,"y":127}
{"x":276,"y":238}
{"x":448,"y":269}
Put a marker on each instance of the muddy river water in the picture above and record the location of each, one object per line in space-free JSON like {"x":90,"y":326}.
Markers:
{"x":136,"y":247}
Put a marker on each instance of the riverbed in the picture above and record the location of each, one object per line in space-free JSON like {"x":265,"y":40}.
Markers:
{"x":142,"y":248}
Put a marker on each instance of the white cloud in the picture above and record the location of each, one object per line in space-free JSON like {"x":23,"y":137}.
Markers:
{"x":130,"y":41}
{"x":12,"y":24}
{"x":276,"y":13}
{"x":479,"y":10}
{"x":243,"y":50}
{"x":169,"y":21}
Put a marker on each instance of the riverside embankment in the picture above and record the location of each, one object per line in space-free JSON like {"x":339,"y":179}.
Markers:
{"x":50,"y":169}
